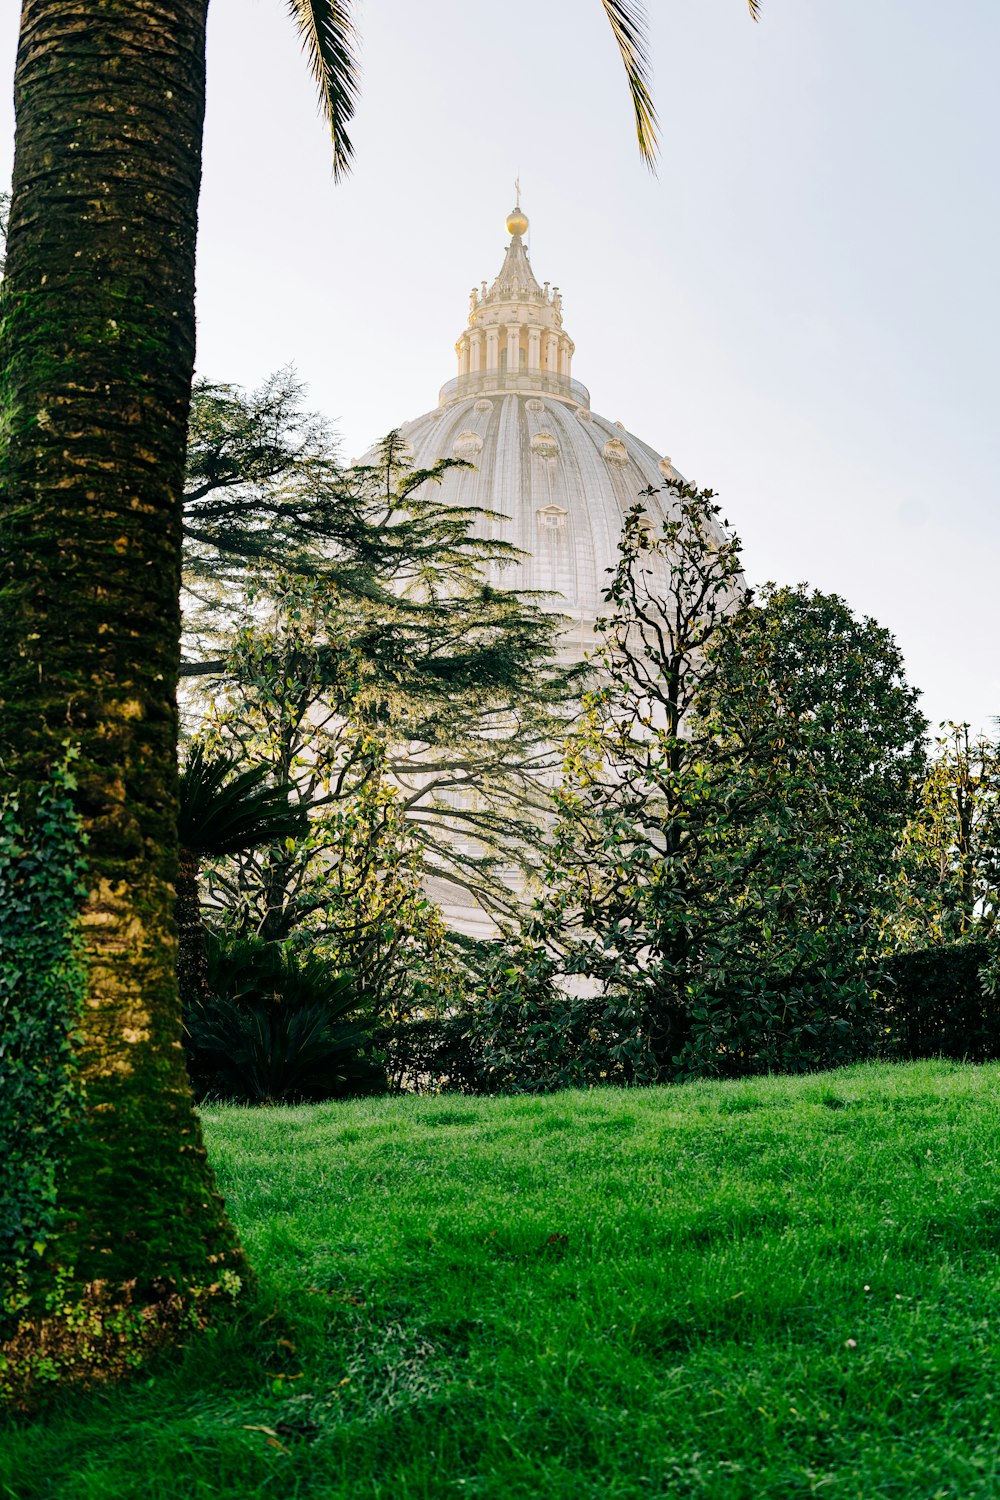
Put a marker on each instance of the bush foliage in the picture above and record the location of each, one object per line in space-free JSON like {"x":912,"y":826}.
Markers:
{"x":277,"y":1026}
{"x":937,"y":1004}
{"x":525,"y":1032}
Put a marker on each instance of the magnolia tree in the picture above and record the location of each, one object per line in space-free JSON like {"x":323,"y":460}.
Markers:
{"x":724,"y":832}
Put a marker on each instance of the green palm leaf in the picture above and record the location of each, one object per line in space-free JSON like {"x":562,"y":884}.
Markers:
{"x":628,"y":22}
{"x":328,"y":40}
{"x":278,"y":1026}
{"x":224,"y":810}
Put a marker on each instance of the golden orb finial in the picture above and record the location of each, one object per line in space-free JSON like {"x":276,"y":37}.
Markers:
{"x":517,"y":221}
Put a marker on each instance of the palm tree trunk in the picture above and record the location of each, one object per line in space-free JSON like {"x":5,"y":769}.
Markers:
{"x":192,"y":958}
{"x":96,"y":361}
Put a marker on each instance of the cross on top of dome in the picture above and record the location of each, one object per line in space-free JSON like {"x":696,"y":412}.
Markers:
{"x":517,"y":220}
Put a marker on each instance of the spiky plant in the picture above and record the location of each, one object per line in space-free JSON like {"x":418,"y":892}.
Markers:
{"x":224,"y":809}
{"x":278,"y":1026}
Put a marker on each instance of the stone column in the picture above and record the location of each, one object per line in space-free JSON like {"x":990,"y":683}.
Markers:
{"x":463,"y":356}
{"x":492,"y":348}
{"x":513,"y":346}
{"x":564,"y":357}
{"x":552,"y":353}
{"x":475,"y":352}
{"x":534,"y":348}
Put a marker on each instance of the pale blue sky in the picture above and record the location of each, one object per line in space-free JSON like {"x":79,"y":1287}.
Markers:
{"x":801,"y":309}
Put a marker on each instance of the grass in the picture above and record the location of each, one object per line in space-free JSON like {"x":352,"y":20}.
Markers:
{"x":780,"y":1288}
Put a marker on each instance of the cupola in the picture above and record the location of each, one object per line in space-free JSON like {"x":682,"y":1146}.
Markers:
{"x":515,"y":340}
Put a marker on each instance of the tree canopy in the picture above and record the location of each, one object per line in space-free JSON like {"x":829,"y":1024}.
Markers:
{"x":726,"y":826}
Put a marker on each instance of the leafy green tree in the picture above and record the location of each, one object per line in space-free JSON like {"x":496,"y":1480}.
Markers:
{"x":947,"y":888}
{"x":264,"y":487}
{"x":842,"y":678}
{"x":827,"y":753}
{"x":267,"y":495}
{"x":727,"y":823}
{"x":413,"y":707}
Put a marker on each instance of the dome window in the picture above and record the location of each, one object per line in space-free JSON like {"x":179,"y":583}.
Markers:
{"x":534,"y":404}
{"x":467,"y":445}
{"x":545,"y":445}
{"x":616,"y":453}
{"x":484,"y":405}
{"x":552,"y":517}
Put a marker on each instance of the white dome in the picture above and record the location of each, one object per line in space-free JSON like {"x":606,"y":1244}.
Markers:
{"x":564,"y":483}
{"x":558,"y":478}
{"x":563,"y":476}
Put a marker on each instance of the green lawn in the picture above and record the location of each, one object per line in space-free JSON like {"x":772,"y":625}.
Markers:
{"x":781,"y":1288}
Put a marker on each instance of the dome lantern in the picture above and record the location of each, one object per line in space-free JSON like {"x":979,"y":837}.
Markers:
{"x":515,"y":339}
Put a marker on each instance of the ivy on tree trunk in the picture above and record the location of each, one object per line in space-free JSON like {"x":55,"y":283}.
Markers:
{"x":96,"y":357}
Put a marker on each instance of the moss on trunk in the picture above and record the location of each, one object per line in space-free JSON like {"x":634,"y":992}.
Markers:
{"x":96,"y":357}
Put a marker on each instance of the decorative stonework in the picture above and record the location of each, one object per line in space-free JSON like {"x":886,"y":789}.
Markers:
{"x":584,"y":415}
{"x":483,"y":405}
{"x":616,"y":453}
{"x":467,"y":445}
{"x":552,"y":517}
{"x":545,"y":445}
{"x":534,"y":405}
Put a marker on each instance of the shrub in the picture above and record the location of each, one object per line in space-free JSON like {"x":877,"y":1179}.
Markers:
{"x":434,"y":1054}
{"x":823,"y":1016}
{"x":530,"y":1029}
{"x":278,"y":1026}
{"x":936,"y":1004}
{"x":525,"y":1032}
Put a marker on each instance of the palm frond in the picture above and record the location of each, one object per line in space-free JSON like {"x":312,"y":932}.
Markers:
{"x":279,"y":1026}
{"x":628,"y":22}
{"x":754,"y":9}
{"x":224,"y":809}
{"x":328,"y":37}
